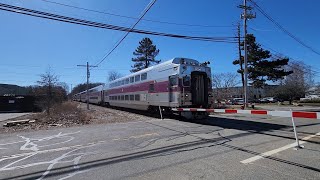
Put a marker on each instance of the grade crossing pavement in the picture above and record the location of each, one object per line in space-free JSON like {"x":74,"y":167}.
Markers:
{"x":214,"y":148}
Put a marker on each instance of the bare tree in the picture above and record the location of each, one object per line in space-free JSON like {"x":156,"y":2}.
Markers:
{"x":113,"y":75}
{"x":47,"y":81}
{"x":296,"y":84}
{"x":223,"y":83}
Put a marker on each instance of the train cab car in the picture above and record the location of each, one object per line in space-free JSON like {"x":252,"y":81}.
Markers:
{"x":180,"y":82}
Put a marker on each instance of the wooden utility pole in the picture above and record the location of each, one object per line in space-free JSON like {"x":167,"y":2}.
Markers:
{"x":245,"y":16}
{"x":240,"y":57}
{"x":88,"y":76}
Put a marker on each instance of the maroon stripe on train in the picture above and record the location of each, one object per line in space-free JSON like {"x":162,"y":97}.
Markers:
{"x":159,"y":87}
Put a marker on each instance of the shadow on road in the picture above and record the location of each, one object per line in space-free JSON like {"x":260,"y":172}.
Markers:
{"x":249,"y":128}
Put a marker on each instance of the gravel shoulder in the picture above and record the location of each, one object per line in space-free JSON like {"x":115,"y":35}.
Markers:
{"x":100,"y":114}
{"x":96,"y":115}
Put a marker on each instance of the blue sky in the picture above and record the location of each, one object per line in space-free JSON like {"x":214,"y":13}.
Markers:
{"x":30,"y":45}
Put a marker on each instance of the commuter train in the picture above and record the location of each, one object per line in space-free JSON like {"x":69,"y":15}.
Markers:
{"x":177,"y":83}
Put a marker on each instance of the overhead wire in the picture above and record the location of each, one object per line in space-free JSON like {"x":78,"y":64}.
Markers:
{"x":278,"y":55}
{"x":56,"y":17}
{"x":283,"y":29}
{"x":135,"y":18}
{"x":127,"y":33}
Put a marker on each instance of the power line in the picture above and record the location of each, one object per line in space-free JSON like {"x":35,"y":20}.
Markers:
{"x":56,"y":17}
{"x":127,"y":33}
{"x":278,"y":56}
{"x":283,"y":29}
{"x":130,"y":17}
{"x":275,"y":51}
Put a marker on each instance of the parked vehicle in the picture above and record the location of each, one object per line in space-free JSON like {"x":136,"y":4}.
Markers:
{"x":269,"y":100}
{"x":237,"y":101}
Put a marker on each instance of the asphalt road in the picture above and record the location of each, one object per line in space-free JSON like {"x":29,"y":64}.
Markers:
{"x":221,"y":147}
{"x":5,"y":116}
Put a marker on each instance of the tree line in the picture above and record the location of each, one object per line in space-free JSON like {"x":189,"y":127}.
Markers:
{"x":292,"y":78}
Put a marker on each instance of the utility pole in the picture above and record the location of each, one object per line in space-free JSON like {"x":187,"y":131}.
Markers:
{"x":88,"y":76}
{"x":240,"y":57}
{"x":245,"y":16}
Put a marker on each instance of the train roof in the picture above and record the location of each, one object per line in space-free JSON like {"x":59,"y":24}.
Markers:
{"x":100,"y":87}
{"x":171,"y":61}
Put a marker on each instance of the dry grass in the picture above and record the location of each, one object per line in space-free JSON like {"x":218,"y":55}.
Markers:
{"x":66,"y":114}
{"x":70,"y":114}
{"x":61,"y":115}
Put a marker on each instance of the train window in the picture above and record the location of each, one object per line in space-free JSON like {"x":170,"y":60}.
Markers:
{"x":127,"y":81}
{"x":186,"y":81}
{"x":151,"y":87}
{"x":131,"y":79}
{"x":173,"y":80}
{"x":131,"y":97}
{"x":126,"y":97}
{"x":122,"y":82}
{"x":119,"y":98}
{"x":137,"y":78}
{"x":122,"y":97}
{"x":137,"y":97}
{"x":143,"y":76}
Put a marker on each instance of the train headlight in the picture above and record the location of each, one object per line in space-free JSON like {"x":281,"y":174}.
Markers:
{"x":187,"y":95}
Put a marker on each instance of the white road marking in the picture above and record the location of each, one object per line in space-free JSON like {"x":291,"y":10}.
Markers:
{"x":49,"y":150}
{"x":30,"y":144}
{"x":269,"y":153}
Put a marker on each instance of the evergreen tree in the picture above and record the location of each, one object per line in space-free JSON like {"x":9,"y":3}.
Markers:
{"x":145,"y":55}
{"x":262,"y":67}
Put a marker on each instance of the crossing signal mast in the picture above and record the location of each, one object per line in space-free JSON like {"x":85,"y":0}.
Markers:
{"x":246,"y":16}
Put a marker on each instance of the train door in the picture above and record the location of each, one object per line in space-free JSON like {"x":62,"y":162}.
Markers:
{"x":199,"y":89}
{"x":173,"y":83}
